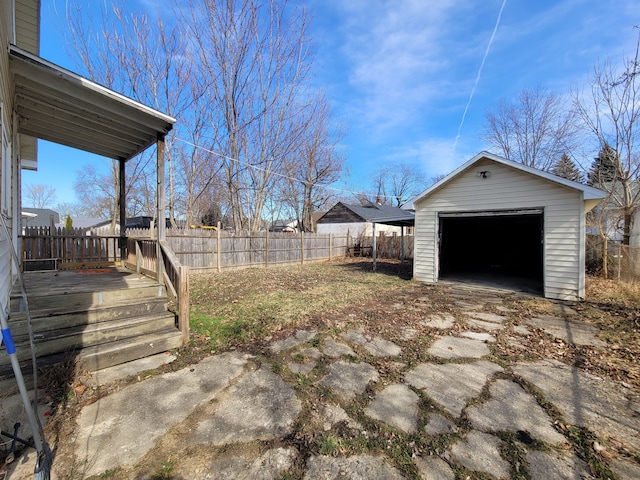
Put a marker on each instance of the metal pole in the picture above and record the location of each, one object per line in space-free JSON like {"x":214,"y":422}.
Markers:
{"x":375,"y":246}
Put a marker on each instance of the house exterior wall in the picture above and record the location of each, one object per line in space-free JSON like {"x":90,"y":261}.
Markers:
{"x":509,"y":189}
{"x":356,"y":229}
{"x":28,"y":25}
{"x":7,"y":171}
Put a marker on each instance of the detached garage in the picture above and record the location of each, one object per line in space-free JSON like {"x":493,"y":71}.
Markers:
{"x":497,"y":220}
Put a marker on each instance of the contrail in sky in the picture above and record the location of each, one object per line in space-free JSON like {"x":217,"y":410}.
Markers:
{"x":473,"y":90}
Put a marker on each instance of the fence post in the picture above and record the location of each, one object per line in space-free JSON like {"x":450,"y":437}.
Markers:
{"x":302,"y":246}
{"x":266,"y":248}
{"x":219,"y":249}
{"x":330,"y":244}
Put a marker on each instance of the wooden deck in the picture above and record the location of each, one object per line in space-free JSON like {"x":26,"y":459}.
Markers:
{"x":100,"y":317}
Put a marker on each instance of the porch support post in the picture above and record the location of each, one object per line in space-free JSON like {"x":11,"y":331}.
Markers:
{"x":122,"y":204}
{"x":402,"y":244}
{"x":160,"y":190}
{"x":160,"y":207}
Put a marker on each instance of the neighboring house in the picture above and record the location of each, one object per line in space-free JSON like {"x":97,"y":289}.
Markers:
{"x":495,"y":217}
{"x":39,"y":99}
{"x":284,"y":226}
{"x":359,"y":220}
{"x":39,"y":217}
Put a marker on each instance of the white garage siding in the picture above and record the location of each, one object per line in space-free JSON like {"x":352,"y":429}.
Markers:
{"x":507,"y":188}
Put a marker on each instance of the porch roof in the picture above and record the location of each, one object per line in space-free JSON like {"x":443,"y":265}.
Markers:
{"x":63,"y":107}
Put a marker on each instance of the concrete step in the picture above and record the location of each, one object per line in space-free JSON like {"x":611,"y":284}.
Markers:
{"x":103,"y":313}
{"x":83,"y":336}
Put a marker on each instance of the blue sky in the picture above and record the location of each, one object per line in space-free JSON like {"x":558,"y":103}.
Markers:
{"x":399,"y":73}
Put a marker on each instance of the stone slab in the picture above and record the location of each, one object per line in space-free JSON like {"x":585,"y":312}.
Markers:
{"x":269,"y":466}
{"x":356,"y":467}
{"x":378,"y":347}
{"x":452,"y":385}
{"x":598,"y":404}
{"x":521,"y":330}
{"x":559,"y":466}
{"x":300,"y":337}
{"x":329,"y":415}
{"x":349,"y":379}
{"x":483,"y":337}
{"x":487,"y":317}
{"x":303,"y":368}
{"x":121,"y":428}
{"x":455,"y":347}
{"x":260,"y":406}
{"x":488,"y":326}
{"x":439,"y":424}
{"x":571,"y":331}
{"x":625,"y":469}
{"x":434,"y":468}
{"x":512,"y":409}
{"x":441,"y":322}
{"x":334,"y":349}
{"x":397,"y":406}
{"x":480,"y":452}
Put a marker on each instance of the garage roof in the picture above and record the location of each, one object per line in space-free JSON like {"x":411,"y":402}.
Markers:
{"x":589,"y":193}
{"x":60,"y":106}
{"x":376,"y":213}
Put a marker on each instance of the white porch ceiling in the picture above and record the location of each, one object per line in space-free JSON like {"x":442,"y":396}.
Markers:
{"x":60,"y":106}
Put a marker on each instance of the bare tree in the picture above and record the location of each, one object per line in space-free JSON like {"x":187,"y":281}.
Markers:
{"x":257,"y":56}
{"x":535,"y":129}
{"x":315,"y":164}
{"x":146,"y":60}
{"x":396,"y":185}
{"x":39,"y":195}
{"x":611,"y":112}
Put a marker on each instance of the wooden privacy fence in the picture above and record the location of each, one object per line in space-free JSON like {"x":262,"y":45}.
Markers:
{"x":206,"y":250}
{"x":47,"y":248}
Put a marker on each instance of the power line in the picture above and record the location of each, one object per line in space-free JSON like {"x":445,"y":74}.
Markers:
{"x":271,"y":172}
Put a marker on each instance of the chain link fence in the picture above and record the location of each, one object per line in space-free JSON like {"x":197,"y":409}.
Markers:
{"x":612,"y":259}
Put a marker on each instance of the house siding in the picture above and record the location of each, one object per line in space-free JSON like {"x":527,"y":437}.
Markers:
{"x":28,"y":25}
{"x":6,"y":100}
{"x":509,"y":189}
{"x":355,"y":229}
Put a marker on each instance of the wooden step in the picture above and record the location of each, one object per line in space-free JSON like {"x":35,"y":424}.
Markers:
{"x":45,"y":303}
{"x":115,"y":353}
{"x":105,"y":313}
{"x":79,"y":337}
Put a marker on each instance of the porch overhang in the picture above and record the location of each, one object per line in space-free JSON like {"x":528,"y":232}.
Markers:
{"x":57,"y":105}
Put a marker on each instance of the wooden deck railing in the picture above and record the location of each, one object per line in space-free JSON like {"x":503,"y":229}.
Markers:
{"x":45,"y":248}
{"x":142,"y":255}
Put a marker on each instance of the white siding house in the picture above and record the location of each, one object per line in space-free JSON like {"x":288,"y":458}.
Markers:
{"x":499,"y":217}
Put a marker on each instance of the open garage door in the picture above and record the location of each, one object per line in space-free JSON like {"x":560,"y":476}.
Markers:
{"x":503,"y":248}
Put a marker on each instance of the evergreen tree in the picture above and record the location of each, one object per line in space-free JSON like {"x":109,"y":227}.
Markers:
{"x":565,"y":168}
{"x":68,"y":224}
{"x":213,"y":215}
{"x":605,"y":167}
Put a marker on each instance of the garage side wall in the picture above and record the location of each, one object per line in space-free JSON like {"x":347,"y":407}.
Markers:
{"x":508,"y":189}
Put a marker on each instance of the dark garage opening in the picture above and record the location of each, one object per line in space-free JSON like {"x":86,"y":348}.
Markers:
{"x":500,"y":249}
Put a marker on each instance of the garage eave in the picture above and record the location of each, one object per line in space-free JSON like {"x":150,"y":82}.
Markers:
{"x":63,"y":107}
{"x":589,"y":193}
